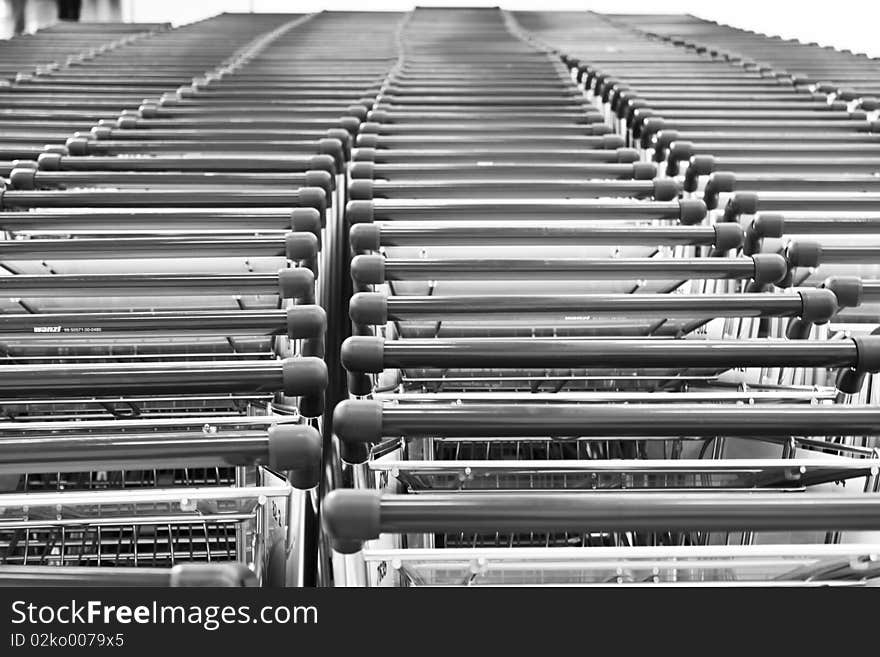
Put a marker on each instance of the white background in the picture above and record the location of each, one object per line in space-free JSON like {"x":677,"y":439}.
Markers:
{"x":853,"y":24}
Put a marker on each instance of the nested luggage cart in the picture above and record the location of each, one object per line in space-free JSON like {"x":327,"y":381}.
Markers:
{"x":583,"y":389}
{"x":169,"y":287}
{"x":160,"y":493}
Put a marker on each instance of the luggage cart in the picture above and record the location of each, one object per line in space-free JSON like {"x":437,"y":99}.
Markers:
{"x":170,"y":262}
{"x":631,"y":357}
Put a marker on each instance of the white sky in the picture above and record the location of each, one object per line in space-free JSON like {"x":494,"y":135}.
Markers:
{"x":849,"y":24}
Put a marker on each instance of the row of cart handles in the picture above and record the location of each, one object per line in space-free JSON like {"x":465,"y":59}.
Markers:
{"x":745,"y":112}
{"x":419,"y":176}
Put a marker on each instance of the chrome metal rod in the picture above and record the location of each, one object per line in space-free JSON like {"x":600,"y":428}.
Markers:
{"x":562,"y":268}
{"x":579,"y":511}
{"x":138,"y":219}
{"x":502,"y":154}
{"x":687,"y":211}
{"x":369,"y":421}
{"x":53,"y":285}
{"x":831,"y":224}
{"x":555,"y":352}
{"x":850,"y":255}
{"x":112,"y":248}
{"x":742,"y":305}
{"x":352,"y":516}
{"x":244,"y":198}
{"x":526,"y":171}
{"x":222,"y":179}
{"x":304,"y":375}
{"x":126,"y":450}
{"x":400,"y":233}
{"x":551,"y":188}
{"x":188,"y":162}
{"x":752,"y":202}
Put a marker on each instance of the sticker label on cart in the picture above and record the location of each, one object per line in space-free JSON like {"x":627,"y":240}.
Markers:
{"x":67,"y":329}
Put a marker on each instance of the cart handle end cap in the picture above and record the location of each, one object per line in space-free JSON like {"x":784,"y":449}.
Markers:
{"x":370,"y":127}
{"x":804,"y":254}
{"x":148,"y":110}
{"x":343,"y":136}
{"x":350,"y":124}
{"x":699,"y":165}
{"x":665,"y":139}
{"x":728,"y":236}
{"x":741,"y":203}
{"x":847,"y":289}
{"x":297,"y":283}
{"x":368,"y":269}
{"x":768,"y":225}
{"x":644,"y":171}
{"x":359,"y":212}
{"x":679,"y":151}
{"x":22,"y":178}
{"x":361,"y":190}
{"x":627,"y":103}
{"x":369,"y":140}
{"x":334,"y":148}
{"x":322,"y":180}
{"x":611,"y":93}
{"x":306,"y":322}
{"x":719,"y":183}
{"x":313,"y":197}
{"x":358,"y":111}
{"x":306,"y":220}
{"x":306,"y":378}
{"x":296,"y":449}
{"x":598,"y":129}
{"x":77,"y":145}
{"x":127,"y":121}
{"x":818,"y":305}
{"x":102,"y":132}
{"x":666,"y":189}
{"x":627,"y":156}
{"x":849,"y":381}
{"x":364,"y":353}
{"x":692,"y":211}
{"x":848,"y":95}
{"x":610,"y":142}
{"x":364,"y":238}
{"x":363,"y":154}
{"x":49,"y":161}
{"x":60,"y":149}
{"x":378,"y":116}
{"x":651,"y":127}
{"x":362,"y":170}
{"x":323,"y":162}
{"x":358,"y":421}
{"x":637,"y":118}
{"x":368,"y":308}
{"x":299,"y":246}
{"x":351,"y":517}
{"x":763,"y":225}
{"x":303,"y":376}
{"x":868,"y":349}
{"x":769,"y":268}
